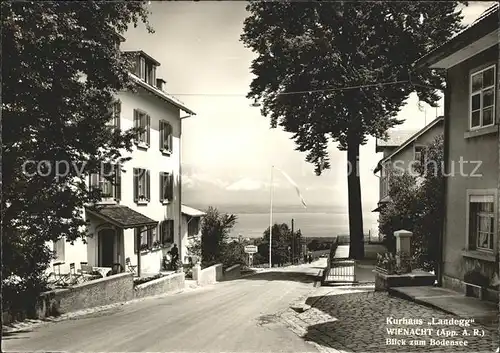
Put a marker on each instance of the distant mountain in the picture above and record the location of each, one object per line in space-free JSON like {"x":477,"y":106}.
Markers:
{"x":265,"y":208}
{"x":247,"y":195}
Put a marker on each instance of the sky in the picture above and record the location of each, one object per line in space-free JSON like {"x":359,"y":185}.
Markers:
{"x":228,"y":148}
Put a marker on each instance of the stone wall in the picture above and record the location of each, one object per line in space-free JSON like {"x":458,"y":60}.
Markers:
{"x":209,"y":275}
{"x":232,"y":273}
{"x":99,"y":292}
{"x":104,"y":291}
{"x":170,"y":283}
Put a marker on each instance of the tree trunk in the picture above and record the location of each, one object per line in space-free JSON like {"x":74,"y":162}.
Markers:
{"x":356,"y":249}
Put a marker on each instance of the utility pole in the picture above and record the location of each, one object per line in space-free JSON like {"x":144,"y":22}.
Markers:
{"x":293,"y":245}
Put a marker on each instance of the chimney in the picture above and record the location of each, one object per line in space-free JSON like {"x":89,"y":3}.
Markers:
{"x":160,"y":83}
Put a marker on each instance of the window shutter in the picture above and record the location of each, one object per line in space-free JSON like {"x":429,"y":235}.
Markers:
{"x":147,"y":177}
{"x":136,"y":68}
{"x":161,"y":187}
{"x":136,"y":184}
{"x":170,"y":187}
{"x":118,"y":114}
{"x":171,"y":230}
{"x":136,"y":124}
{"x":170,"y":138}
{"x":161,"y":236}
{"x":161,"y":128}
{"x":142,"y":69}
{"x":150,"y":238}
{"x":118,"y":182}
{"x":148,"y":129}
{"x":136,"y":236}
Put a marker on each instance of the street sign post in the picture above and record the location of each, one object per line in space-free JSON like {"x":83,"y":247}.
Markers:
{"x":251,"y":249}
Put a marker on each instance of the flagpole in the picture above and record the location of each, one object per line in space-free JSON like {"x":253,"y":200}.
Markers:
{"x":271,"y":218}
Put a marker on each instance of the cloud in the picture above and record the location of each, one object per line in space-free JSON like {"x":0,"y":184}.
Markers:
{"x":201,"y":179}
{"x":246,"y":184}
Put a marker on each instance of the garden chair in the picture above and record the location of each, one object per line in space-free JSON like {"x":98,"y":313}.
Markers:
{"x":74,"y":277}
{"x":85,"y":271}
{"x":60,"y":279}
{"x":131,"y":268}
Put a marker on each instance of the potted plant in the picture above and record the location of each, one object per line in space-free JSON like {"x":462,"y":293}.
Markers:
{"x":144,"y":247}
{"x":386,"y":263}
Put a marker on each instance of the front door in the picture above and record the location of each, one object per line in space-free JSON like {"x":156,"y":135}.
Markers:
{"x":106,"y":247}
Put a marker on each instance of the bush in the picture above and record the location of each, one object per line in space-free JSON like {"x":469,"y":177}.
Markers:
{"x":417,"y":205}
{"x":142,"y":280}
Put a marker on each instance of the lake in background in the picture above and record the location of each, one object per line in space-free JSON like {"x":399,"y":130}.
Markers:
{"x":317,"y":224}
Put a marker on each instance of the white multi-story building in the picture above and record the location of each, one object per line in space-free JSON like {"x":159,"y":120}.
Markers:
{"x":140,"y":217}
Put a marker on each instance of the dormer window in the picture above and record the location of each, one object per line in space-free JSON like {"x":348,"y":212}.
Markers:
{"x":147,"y":71}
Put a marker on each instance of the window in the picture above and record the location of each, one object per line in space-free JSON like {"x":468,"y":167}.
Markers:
{"x":481,"y":222}
{"x":141,"y":185}
{"x":155,"y":237}
{"x":115,"y":115}
{"x":108,"y":180}
{"x":384,"y":180}
{"x":166,"y":187}
{"x":165,"y":136}
{"x":419,"y":155}
{"x":142,"y":68}
{"x":147,"y":237}
{"x":193,"y":226}
{"x":150,"y":74}
{"x":59,"y":247}
{"x":482,"y":98}
{"x":146,"y":70}
{"x":167,"y":232}
{"x":142,"y":121}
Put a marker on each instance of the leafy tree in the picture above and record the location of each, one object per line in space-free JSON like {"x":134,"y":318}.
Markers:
{"x":429,"y":228}
{"x":194,"y":247}
{"x":417,"y":205}
{"x":341,"y":71}
{"x":297,"y":247}
{"x":61,"y":71}
{"x":404,"y":209}
{"x":313,"y":245}
{"x":234,"y":254}
{"x":281,"y":242}
{"x":215,"y":229}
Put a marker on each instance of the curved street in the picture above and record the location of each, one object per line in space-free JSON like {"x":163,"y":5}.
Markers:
{"x":235,"y":316}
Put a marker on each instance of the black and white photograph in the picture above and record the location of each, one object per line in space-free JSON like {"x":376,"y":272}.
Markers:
{"x":250,"y":176}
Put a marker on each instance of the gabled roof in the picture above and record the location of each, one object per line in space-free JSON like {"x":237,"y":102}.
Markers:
{"x":409,"y":141}
{"x":144,"y":54}
{"x":396,"y":138}
{"x":480,"y":28}
{"x":159,"y":93}
{"x":193,"y":212}
{"x":121,"y":216}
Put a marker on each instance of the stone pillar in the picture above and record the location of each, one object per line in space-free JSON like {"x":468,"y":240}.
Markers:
{"x":403,"y":243}
{"x":196,"y":271}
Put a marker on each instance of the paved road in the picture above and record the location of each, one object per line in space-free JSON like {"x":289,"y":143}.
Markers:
{"x":234,"y":316}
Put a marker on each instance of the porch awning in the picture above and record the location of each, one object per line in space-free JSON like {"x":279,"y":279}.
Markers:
{"x":193,"y":212}
{"x":382,"y":203}
{"x":121,"y":216}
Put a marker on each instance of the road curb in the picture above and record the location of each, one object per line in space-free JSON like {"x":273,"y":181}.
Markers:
{"x":290,"y":319}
